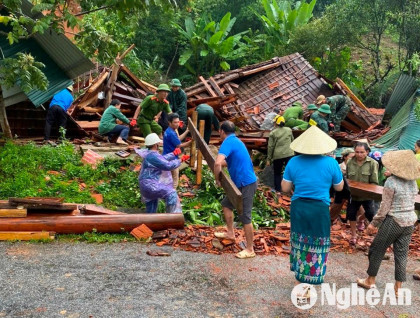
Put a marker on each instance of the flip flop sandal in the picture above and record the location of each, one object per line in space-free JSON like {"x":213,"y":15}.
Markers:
{"x":361,"y":226}
{"x":245,"y":254}
{"x":223,"y":235}
{"x":362,"y":283}
{"x":353,"y":241}
{"x":416,"y":276}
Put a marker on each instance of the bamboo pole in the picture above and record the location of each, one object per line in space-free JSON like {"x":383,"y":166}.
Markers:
{"x":193,"y":144}
{"x":200,"y":156}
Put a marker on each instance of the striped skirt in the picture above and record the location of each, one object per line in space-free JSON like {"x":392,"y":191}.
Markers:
{"x":309,"y":240}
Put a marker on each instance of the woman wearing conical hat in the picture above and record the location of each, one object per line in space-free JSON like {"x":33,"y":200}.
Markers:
{"x":396,"y":216}
{"x":311,"y":174}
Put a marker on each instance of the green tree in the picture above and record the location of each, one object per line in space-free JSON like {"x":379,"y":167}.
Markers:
{"x":281,"y":20}
{"x":209,"y":47}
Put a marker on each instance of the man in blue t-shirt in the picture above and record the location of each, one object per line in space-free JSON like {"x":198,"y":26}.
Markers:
{"x":57,"y":113}
{"x":235,"y":156}
{"x":171,"y":141}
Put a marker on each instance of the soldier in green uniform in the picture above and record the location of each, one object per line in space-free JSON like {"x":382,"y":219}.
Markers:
{"x":206,"y":113}
{"x":310,"y":109}
{"x":178,"y":101}
{"x":319,"y":118}
{"x":151,"y":107}
{"x":340,"y":106}
{"x":294,"y":117}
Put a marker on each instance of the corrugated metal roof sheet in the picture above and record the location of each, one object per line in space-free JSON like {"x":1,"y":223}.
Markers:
{"x":404,"y":89}
{"x":62,"y":51}
{"x":405,"y":128}
{"x":63,"y":61}
{"x":56,"y":77}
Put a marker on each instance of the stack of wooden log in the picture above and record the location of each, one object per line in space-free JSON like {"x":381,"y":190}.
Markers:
{"x":38,"y":218}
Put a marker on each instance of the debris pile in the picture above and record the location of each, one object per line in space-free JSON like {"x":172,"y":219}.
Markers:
{"x":199,"y":238}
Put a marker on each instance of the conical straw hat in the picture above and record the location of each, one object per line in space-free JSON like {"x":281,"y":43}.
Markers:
{"x":402,"y":163}
{"x":313,"y":142}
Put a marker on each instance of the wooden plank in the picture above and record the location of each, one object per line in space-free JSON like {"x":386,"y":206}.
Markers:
{"x":127,"y":98}
{"x":13,"y":213}
{"x":345,"y":124}
{"x":88,"y":125}
{"x":208,"y":88}
{"x":217,"y":101}
{"x":260,"y":69}
{"x":199,"y":174}
{"x":358,"y":120}
{"x":372,"y":191}
{"x":349,"y":92}
{"x":198,"y":89}
{"x":229,"y":88}
{"x":35,"y":200}
{"x":110,"y":85}
{"x":234,"y":85}
{"x":232,"y":192}
{"x":26,"y":236}
{"x":215,"y":86}
{"x":193,"y":151}
{"x":136,"y":81}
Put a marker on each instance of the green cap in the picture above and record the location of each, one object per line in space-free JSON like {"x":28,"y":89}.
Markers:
{"x":324,"y":109}
{"x":311,"y":107}
{"x":163,"y":87}
{"x":175,"y":82}
{"x":297,"y":104}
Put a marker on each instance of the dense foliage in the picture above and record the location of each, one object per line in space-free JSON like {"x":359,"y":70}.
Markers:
{"x":366,"y":43}
{"x":32,"y":171}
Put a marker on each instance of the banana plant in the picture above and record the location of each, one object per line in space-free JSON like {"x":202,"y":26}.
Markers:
{"x":209,"y":47}
{"x":281,"y":19}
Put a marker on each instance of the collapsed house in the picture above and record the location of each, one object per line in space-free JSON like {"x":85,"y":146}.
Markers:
{"x":279,"y":82}
{"x":244,"y":96}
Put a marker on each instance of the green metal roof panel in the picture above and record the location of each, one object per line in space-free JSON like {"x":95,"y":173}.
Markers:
{"x":57,"y":79}
{"x":61,"y":50}
{"x":404,"y":89}
{"x":405,"y":128}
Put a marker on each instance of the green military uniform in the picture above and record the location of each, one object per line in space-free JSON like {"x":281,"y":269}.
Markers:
{"x":206,"y":113}
{"x":340,"y":106}
{"x":150,"y":107}
{"x":321,"y":122}
{"x":108,"y":120}
{"x":293,"y":117}
{"x":178,"y":102}
{"x":367,"y":173}
{"x":279,"y":144}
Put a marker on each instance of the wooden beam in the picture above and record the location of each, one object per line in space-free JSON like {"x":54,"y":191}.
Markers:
{"x":136,"y":81}
{"x":200,"y":88}
{"x":26,"y":236}
{"x":232,"y":192}
{"x":208,"y":88}
{"x":199,"y":173}
{"x":13,"y":213}
{"x":215,"y":86}
{"x":229,"y":88}
{"x":260,"y":69}
{"x":110,"y":85}
{"x":359,"y":121}
{"x":350,"y":126}
{"x":349,"y":92}
{"x":217,"y":101}
{"x":193,"y":151}
{"x":80,"y":224}
{"x":372,"y":191}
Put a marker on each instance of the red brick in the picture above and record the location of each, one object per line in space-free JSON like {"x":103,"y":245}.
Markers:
{"x":142,"y":232}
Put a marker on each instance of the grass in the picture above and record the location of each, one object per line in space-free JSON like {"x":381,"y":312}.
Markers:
{"x":33,"y":171}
